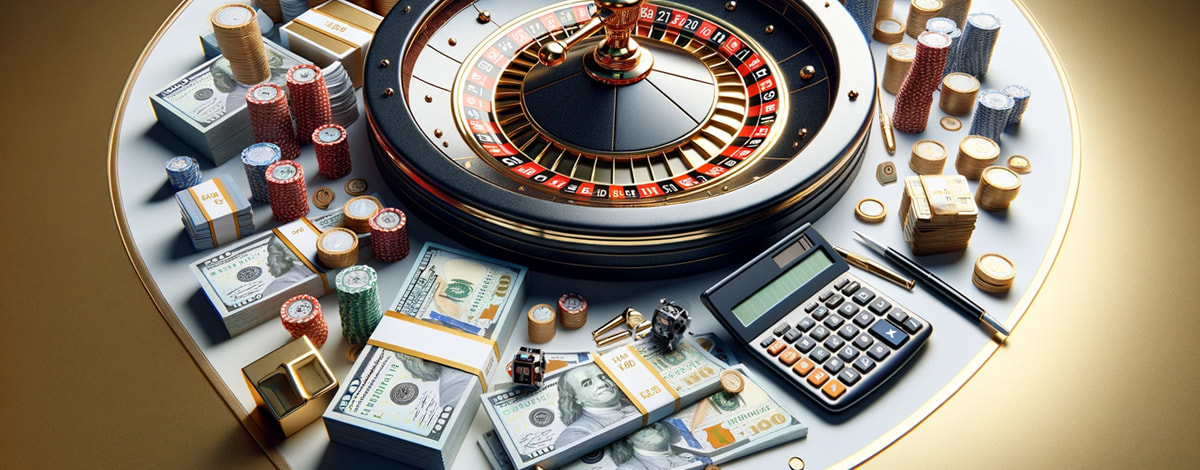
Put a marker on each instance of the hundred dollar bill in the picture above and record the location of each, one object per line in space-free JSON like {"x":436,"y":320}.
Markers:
{"x":456,"y":291}
{"x":714,"y":431}
{"x":712,"y":343}
{"x":581,"y":408}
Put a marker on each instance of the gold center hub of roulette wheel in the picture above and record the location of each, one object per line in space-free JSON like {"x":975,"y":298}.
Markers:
{"x":619,"y":137}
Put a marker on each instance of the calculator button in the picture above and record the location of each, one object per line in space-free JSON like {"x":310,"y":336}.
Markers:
{"x":840,"y":283}
{"x":803,"y":367}
{"x":848,"y":331}
{"x":781,"y":329}
{"x":912,"y":325}
{"x":834,"y":301}
{"x":820,"y":313}
{"x":834,"y":322}
{"x":792,"y":336}
{"x":864,"y":318}
{"x":777,"y":347}
{"x":811,"y":306}
{"x":834,"y":366}
{"x":766,"y":342}
{"x":819,"y":355}
{"x":848,"y":311}
{"x":789,"y":357}
{"x":878,"y":352}
{"x":848,"y":354}
{"x":826,"y":296}
{"x":806,"y":324}
{"x":818,"y":378}
{"x":863,"y":341}
{"x":834,"y":343}
{"x":889,"y":334}
{"x":864,"y":364}
{"x":833,"y":389}
{"x":851,"y":288}
{"x":863,"y":296}
{"x":806,"y":344}
{"x":898,"y":316}
{"x":819,"y":333}
{"x":849,"y":376}
{"x":880,"y":306}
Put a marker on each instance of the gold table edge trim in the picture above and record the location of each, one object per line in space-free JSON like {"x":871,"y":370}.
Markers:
{"x":856,"y":459}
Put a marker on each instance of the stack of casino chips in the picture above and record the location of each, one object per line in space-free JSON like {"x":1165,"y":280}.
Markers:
{"x":919,"y":12}
{"x":389,"y":235}
{"x":343,"y":101}
{"x":310,"y":100}
{"x":1020,"y":96}
{"x":358,"y":301}
{"x":286,"y":190}
{"x":183,"y":173}
{"x":916,"y":92}
{"x":256,"y":159}
{"x":941,"y":25}
{"x":301,"y":316}
{"x":974,"y":55}
{"x":333,"y":151}
{"x":991,"y":114}
{"x":271,"y":119}
{"x":863,"y":12}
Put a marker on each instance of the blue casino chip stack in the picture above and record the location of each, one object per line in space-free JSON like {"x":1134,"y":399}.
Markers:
{"x":974,"y":56}
{"x":1020,"y":96}
{"x":255,"y":159}
{"x":941,"y":25}
{"x":955,"y":41}
{"x":183,"y":173}
{"x":991,"y":114}
{"x":214,"y":213}
{"x":863,"y":12}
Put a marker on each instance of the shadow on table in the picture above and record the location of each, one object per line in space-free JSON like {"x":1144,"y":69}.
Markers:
{"x":339,"y":456}
{"x":206,"y":316}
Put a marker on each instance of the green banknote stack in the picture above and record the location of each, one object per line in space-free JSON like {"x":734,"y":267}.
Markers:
{"x":580,"y":409}
{"x":716,"y":430}
{"x":413,"y":409}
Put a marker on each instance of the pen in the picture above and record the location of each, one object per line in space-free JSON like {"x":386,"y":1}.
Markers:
{"x":875,"y":268}
{"x":885,"y":126}
{"x":934,"y":283}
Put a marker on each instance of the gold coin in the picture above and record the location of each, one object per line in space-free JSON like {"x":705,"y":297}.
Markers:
{"x":732,"y":381}
{"x":870,"y":210}
{"x":796,"y":463}
{"x":951,"y":124}
{"x":353,"y":351}
{"x":1019,"y":164}
{"x":356,"y":187}
{"x":995,"y":269}
{"x":712,"y":467}
{"x":323,"y":197}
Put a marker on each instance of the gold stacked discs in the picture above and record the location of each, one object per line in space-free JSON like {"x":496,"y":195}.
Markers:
{"x":928,"y":157}
{"x":572,"y":310}
{"x":920,"y":11}
{"x":541,"y":323}
{"x":994,"y":273}
{"x":883,"y":9}
{"x":975,"y":153}
{"x":899,"y":58}
{"x":958,"y":94}
{"x":998,"y":187}
{"x":236,"y":28}
{"x":356,"y":214}
{"x":870,"y":210}
{"x":1020,"y":164}
{"x":337,"y":248}
{"x":889,"y":31}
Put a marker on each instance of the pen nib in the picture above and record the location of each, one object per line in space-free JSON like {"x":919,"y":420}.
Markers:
{"x":872,"y":244}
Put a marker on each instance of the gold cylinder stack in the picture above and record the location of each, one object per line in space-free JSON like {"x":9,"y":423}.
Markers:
{"x":959,"y":91}
{"x":955,"y":10}
{"x":994,"y":273}
{"x":541,"y":323}
{"x":1020,"y":164}
{"x":271,"y":8}
{"x":235,"y":27}
{"x":888,"y":31}
{"x":572,"y":310}
{"x":975,"y":153}
{"x":899,"y":58}
{"x":928,"y":157}
{"x":870,"y":210}
{"x":337,"y":248}
{"x":883,"y":9}
{"x":998,"y":187}
{"x":920,"y":11}
{"x":356,"y":214}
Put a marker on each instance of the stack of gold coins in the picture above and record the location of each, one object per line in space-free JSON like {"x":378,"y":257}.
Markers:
{"x":541,"y":323}
{"x":975,"y":153}
{"x":920,"y":11}
{"x":572,"y":310}
{"x":1020,"y":164}
{"x":994,"y":273}
{"x":958,"y":94}
{"x":356,"y":214}
{"x":899,"y":58}
{"x":883,"y":9}
{"x":337,"y":248}
{"x":271,"y":8}
{"x":889,"y":31}
{"x":928,"y":157}
{"x":236,"y":28}
{"x":955,"y":10}
{"x":998,"y":187}
{"x":870,"y":210}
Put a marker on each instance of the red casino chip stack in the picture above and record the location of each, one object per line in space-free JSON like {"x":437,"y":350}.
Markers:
{"x":271,"y":119}
{"x":333,"y":151}
{"x":286,"y":190}
{"x":389,"y":235}
{"x":310,"y":100}
{"x":916,"y":93}
{"x":302,"y":316}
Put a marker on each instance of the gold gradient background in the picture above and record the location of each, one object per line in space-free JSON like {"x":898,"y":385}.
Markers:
{"x":1103,"y":371}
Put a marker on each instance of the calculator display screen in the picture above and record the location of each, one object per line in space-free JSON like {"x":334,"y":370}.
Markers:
{"x":770,"y":294}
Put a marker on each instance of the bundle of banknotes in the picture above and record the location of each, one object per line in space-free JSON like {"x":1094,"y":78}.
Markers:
{"x":716,"y":430}
{"x":580,"y":408}
{"x":938,"y":213}
{"x":214,"y":213}
{"x":413,"y":409}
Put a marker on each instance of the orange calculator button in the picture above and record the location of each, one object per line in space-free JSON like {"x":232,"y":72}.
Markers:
{"x":834,"y":389}
{"x":818,"y":378}
{"x":789,"y":357}
{"x":803,"y":367}
{"x":776,"y":347}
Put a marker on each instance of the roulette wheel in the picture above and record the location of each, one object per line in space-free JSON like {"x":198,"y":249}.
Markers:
{"x":619,"y":138}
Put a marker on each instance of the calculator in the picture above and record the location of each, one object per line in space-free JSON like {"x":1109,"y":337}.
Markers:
{"x":830,"y":334}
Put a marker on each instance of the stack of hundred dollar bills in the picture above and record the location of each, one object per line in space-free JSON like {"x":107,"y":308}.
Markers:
{"x":415,"y":410}
{"x":214,"y":212}
{"x":580,"y":409}
{"x":717,"y":430}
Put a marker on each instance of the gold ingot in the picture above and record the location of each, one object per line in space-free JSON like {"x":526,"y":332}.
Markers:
{"x":291,"y":387}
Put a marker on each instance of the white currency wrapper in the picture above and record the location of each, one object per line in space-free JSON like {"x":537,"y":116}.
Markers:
{"x":217,"y":208}
{"x":445,"y":346}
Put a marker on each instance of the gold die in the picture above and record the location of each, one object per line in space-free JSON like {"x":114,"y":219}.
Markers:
{"x":885,"y":173}
{"x":291,"y":386}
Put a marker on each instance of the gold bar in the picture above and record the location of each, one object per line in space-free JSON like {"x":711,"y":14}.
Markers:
{"x":291,"y":386}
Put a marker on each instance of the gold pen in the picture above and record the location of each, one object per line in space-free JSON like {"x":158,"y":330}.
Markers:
{"x":885,"y":126}
{"x":875,"y":268}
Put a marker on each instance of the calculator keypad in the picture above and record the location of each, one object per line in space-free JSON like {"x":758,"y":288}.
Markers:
{"x":844,"y":342}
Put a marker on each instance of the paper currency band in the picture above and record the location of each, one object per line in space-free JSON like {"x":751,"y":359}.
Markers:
{"x":469,"y":353}
{"x":217,"y":207}
{"x":303,"y":233}
{"x":640,"y":382}
{"x":335,"y":28}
